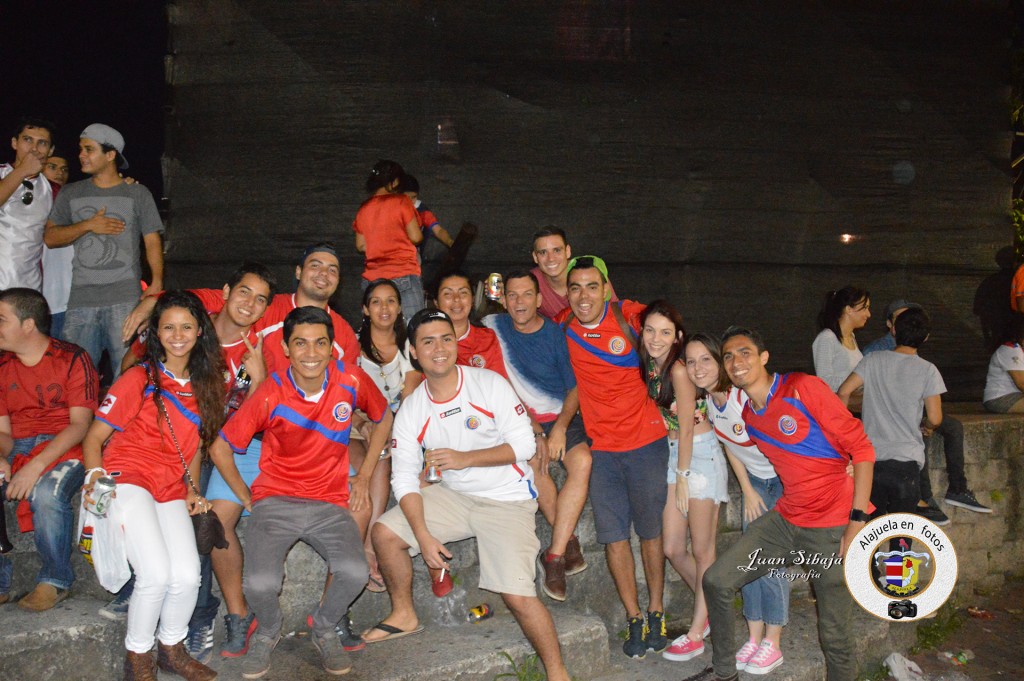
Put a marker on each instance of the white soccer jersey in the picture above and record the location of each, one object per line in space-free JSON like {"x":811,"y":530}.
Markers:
{"x":485,"y":412}
{"x":732,"y":433}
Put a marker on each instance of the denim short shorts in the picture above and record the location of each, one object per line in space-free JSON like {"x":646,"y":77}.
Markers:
{"x":574,"y":434}
{"x":709,"y":477}
{"x":248,"y":465}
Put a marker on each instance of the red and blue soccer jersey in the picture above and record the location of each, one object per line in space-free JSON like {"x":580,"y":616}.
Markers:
{"x":618,"y":413}
{"x":271,"y":327}
{"x":809,"y":436}
{"x":305,"y":438}
{"x":480,"y":348}
{"x":142,"y":451}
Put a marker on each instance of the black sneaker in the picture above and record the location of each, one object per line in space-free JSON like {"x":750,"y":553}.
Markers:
{"x":655,"y":632}
{"x":966,"y":499}
{"x":350,"y":640}
{"x":635,"y":646}
{"x":932,"y":514}
{"x":199,"y":642}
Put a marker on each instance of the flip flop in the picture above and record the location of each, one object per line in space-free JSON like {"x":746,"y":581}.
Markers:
{"x":392,"y":632}
{"x":375,"y":585}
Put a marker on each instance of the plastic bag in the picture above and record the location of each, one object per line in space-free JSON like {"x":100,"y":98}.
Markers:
{"x":107,"y":551}
{"x":902,"y":669}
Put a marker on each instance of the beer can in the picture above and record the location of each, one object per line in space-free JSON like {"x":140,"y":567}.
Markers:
{"x":98,"y":503}
{"x":495,"y":286}
{"x":479,"y":613}
{"x":433,"y":474}
{"x":85,"y":543}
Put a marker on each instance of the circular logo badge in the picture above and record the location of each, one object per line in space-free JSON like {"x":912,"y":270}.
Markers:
{"x":477,"y":361}
{"x":787,"y":424}
{"x":901,"y":567}
{"x":472,"y":422}
{"x":342,"y":412}
{"x":617,"y":345}
{"x":737,"y":429}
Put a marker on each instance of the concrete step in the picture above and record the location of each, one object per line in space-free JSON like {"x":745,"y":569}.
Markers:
{"x":72,"y":643}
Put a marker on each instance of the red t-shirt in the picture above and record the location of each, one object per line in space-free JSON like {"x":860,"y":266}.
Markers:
{"x":389,"y":252}
{"x":480,"y":348}
{"x":271,"y":327}
{"x":1017,"y":288}
{"x":38,"y":399}
{"x":809,"y":436}
{"x":305,"y":444}
{"x":619,"y":414}
{"x":141,"y":451}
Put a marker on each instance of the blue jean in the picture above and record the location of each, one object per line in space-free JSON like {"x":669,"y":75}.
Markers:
{"x":767,"y":598}
{"x":410,"y":288}
{"x":57,"y":325}
{"x":52,"y":516}
{"x":96,"y":329}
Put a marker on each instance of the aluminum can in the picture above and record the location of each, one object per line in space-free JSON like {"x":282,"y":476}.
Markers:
{"x":479,"y":613}
{"x":495,"y":286}
{"x":102,"y":494}
{"x":433,"y":474}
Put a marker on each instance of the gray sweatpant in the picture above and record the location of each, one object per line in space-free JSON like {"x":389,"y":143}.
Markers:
{"x":776,"y":542}
{"x":275,"y":525}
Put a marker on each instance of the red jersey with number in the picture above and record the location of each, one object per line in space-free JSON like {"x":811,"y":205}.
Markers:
{"x":809,"y":436}
{"x":305,"y":437}
{"x":480,"y":348}
{"x":618,"y":413}
{"x":141,"y":451}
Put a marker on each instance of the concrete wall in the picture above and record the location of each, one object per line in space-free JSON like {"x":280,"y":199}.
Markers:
{"x":714,"y":153}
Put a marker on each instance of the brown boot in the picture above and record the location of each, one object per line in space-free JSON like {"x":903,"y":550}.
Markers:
{"x":175,"y":659}
{"x":139,"y":667}
{"x":554,"y":576}
{"x":43,"y":597}
{"x":575,"y":563}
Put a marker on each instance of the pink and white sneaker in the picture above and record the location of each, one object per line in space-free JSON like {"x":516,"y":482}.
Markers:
{"x":683,"y":649}
{"x":767,"y":658}
{"x":707,"y":628}
{"x":746,"y":652}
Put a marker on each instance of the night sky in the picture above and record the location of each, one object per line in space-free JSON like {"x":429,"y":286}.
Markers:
{"x":77,"y":63}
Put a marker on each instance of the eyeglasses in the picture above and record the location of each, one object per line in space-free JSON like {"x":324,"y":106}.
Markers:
{"x":28,"y":195}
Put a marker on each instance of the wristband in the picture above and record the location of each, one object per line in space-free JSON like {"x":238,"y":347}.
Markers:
{"x":685,"y":474}
{"x":541,"y":434}
{"x":93,"y":470}
{"x":859,"y":516}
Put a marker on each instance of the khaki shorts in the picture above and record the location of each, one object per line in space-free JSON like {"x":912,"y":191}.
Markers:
{"x":505,"y":531}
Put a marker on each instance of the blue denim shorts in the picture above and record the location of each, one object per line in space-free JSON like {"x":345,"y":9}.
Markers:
{"x":709,"y":477}
{"x":628,"y":488}
{"x":248,"y":466}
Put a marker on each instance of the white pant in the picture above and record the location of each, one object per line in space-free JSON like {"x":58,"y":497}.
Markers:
{"x":161,"y":548}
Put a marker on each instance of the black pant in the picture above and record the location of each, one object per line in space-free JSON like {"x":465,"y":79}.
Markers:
{"x":952,"y":433}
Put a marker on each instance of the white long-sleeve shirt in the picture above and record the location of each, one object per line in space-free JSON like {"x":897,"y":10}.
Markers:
{"x":485,"y":412}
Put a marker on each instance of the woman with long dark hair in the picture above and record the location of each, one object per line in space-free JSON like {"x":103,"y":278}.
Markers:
{"x":696,"y":473}
{"x":387,"y":229}
{"x":835,"y":349}
{"x":384,"y":356}
{"x":148,"y":435}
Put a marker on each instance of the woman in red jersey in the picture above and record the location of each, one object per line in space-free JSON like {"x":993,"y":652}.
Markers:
{"x":387,"y":229}
{"x":158,"y":415}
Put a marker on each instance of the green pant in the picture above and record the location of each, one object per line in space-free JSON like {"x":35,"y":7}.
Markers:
{"x":772,"y":542}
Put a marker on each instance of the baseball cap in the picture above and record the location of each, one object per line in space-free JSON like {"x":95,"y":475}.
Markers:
{"x":104,"y":134}
{"x":586,"y":262}
{"x":900,"y":304}
{"x":425,"y":316}
{"x":321,"y":247}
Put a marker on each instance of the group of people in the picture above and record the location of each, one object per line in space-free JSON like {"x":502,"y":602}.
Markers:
{"x":245,"y":401}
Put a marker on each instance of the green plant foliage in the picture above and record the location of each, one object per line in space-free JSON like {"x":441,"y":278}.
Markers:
{"x":878,"y":672}
{"x":529,"y":670}
{"x":934,"y":633}
{"x":996,"y":496}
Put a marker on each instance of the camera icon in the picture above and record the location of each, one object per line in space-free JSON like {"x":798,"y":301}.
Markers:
{"x":900,"y":609}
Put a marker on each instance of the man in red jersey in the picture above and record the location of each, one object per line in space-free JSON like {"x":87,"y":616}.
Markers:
{"x":478,"y":345}
{"x":810,"y":437}
{"x":48,"y":391}
{"x":302,"y":491}
{"x":630,"y":450}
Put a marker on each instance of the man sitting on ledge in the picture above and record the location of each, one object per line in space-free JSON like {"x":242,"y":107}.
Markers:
{"x":469,"y":425}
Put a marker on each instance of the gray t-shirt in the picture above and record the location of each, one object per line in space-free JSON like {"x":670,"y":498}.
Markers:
{"x":106,"y":268}
{"x":895,"y":387}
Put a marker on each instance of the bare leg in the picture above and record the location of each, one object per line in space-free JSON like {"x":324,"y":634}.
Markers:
{"x":396,"y":567}
{"x":547,"y":492}
{"x":535,"y":621}
{"x":773,"y":632}
{"x":572,"y":497}
{"x":756,"y":630}
{"x":228,"y":563}
{"x":703,"y":527}
{"x":675,"y":527}
{"x":652,"y":552}
{"x":620,"y":563}
{"x":380,"y":490}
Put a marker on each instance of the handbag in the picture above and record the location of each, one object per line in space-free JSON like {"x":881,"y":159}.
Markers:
{"x":208,"y":528}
